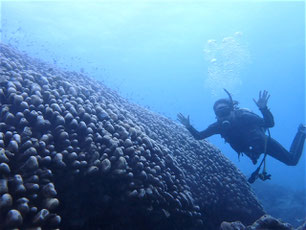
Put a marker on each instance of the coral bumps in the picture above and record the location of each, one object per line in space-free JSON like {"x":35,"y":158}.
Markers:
{"x":76,"y":155}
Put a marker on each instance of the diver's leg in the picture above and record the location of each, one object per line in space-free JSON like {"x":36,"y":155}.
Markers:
{"x":277,"y":151}
{"x":297,"y":145}
{"x":291,"y":158}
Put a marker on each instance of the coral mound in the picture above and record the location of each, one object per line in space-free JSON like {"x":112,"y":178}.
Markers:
{"x":266,"y":222}
{"x":76,"y":155}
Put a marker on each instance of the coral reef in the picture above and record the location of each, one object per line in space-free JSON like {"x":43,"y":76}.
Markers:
{"x":282,"y":202}
{"x":265,"y":222}
{"x":76,"y":155}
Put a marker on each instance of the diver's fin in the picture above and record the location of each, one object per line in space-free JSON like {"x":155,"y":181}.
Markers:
{"x":302,"y":128}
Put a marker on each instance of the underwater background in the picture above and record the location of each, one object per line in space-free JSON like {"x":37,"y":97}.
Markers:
{"x":177,"y":56}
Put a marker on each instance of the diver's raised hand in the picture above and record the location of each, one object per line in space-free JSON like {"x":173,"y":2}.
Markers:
{"x":262,"y":99}
{"x":184,"y":120}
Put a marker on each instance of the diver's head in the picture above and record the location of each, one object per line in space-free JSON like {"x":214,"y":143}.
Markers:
{"x":223,"y":107}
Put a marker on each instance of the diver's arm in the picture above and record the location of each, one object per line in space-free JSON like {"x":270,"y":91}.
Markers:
{"x":262,"y":105}
{"x":249,"y":117}
{"x":211,"y":130}
{"x":267,"y":117}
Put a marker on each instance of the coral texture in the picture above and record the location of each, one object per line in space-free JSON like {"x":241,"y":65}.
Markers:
{"x":266,"y":222}
{"x":76,"y":155}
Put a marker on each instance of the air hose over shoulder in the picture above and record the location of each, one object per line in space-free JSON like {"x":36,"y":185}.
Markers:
{"x":230,"y":97}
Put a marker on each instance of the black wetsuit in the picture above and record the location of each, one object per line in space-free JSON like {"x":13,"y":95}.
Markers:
{"x":245,"y":132}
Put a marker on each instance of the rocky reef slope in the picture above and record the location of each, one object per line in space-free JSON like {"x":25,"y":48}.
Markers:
{"x":75,"y":155}
{"x":266,"y":222}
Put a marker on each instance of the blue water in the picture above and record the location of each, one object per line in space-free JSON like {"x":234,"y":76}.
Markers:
{"x":174,"y":56}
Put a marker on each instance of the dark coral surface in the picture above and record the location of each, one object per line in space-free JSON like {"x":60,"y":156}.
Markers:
{"x":282,"y":202}
{"x":76,"y":155}
{"x":266,"y":222}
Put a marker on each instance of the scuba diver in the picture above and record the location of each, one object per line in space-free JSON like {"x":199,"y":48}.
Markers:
{"x":245,"y":131}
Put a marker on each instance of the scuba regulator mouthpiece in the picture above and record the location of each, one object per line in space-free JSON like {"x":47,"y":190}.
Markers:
{"x":226,"y":124}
